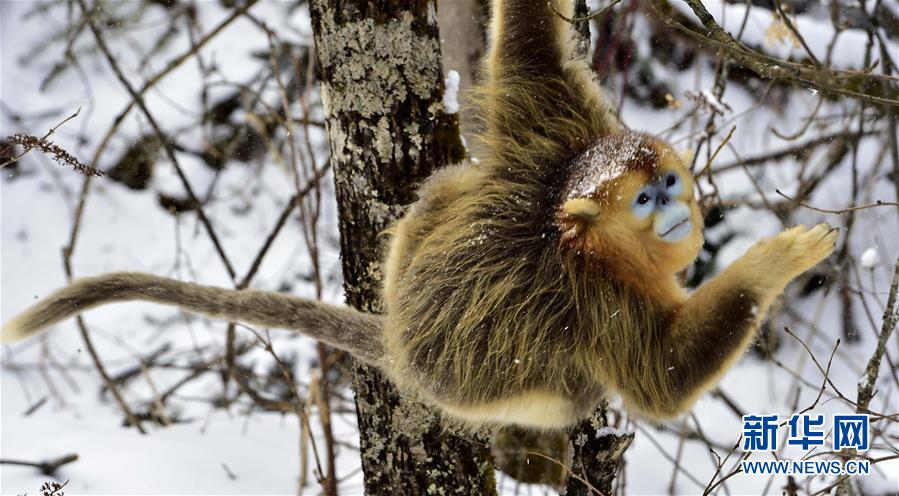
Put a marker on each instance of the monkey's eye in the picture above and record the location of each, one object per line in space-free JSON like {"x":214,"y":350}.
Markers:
{"x":670,"y":180}
{"x":673,"y":184}
{"x":643,"y":203}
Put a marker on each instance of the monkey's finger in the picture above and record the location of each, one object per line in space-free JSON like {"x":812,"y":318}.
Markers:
{"x":827,"y":231}
{"x":819,"y":232}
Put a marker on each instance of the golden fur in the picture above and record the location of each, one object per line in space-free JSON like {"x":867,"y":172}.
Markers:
{"x":523,"y":289}
{"x":505,"y":287}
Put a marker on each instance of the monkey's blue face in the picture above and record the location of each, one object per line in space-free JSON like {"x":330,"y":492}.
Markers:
{"x":662,"y":200}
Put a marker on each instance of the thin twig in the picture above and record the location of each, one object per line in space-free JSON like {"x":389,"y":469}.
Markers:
{"x":708,"y":164}
{"x":567,"y":469}
{"x":299,"y":404}
{"x":59,"y":154}
{"x":47,"y":467}
{"x":228,"y":472}
{"x":799,"y":149}
{"x":878,"y":203}
{"x":786,"y":20}
{"x":49,"y":133}
{"x":587,"y":17}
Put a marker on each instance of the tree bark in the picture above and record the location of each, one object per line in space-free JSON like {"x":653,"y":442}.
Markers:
{"x":596,"y":455}
{"x":382,"y":89}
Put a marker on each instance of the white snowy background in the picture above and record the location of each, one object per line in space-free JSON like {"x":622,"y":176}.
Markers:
{"x":127,"y":230}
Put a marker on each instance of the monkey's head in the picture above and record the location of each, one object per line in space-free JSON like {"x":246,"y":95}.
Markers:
{"x":629,"y":199}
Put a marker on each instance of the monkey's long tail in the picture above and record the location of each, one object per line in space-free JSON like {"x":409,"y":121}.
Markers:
{"x":356,"y":332}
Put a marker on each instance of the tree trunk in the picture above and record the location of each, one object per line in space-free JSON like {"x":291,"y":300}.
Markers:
{"x":382,"y":88}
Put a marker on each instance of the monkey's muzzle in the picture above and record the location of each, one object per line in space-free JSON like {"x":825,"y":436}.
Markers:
{"x":674,"y":223}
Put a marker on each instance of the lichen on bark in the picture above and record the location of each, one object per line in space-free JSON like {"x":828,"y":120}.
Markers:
{"x":374,"y":65}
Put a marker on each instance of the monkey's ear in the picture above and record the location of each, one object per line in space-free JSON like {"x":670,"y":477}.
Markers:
{"x":583,"y":208}
{"x":575,"y":216}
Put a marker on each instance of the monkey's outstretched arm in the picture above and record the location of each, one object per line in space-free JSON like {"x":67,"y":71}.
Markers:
{"x":539,"y":100}
{"x":709,"y":331}
{"x":344,"y":328}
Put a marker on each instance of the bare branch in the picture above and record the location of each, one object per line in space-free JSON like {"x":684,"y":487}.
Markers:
{"x":872,"y":370}
{"x":167,"y":144}
{"x":825,"y":79}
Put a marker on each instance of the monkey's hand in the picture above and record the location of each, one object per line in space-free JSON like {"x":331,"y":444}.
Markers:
{"x":779,"y":259}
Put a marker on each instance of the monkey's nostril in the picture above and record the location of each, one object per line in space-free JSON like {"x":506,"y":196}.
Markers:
{"x":663,"y":199}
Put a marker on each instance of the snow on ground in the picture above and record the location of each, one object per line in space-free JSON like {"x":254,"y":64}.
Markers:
{"x":124,"y":230}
